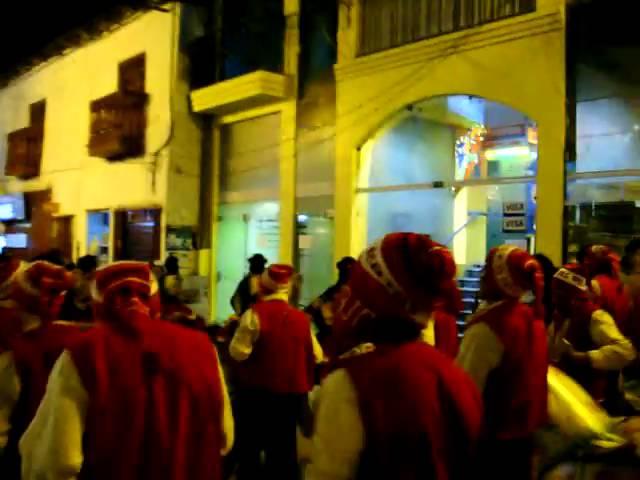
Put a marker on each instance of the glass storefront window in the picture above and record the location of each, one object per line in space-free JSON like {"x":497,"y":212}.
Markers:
{"x":449,"y":139}
{"x":608,"y":135}
{"x":243,"y":230}
{"x":315,"y":246}
{"x":602,"y":210}
{"x":460,"y":168}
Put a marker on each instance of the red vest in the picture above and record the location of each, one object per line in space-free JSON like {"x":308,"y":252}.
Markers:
{"x":152,"y":414}
{"x":515,"y":394}
{"x":602,"y":385}
{"x":446,"y":332}
{"x":616,"y":300}
{"x":421,"y":414}
{"x":282,"y":359}
{"x":34,"y":353}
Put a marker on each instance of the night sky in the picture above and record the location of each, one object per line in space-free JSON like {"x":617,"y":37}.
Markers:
{"x":29,"y":27}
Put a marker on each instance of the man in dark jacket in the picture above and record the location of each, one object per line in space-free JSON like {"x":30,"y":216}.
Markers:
{"x":246,"y":293}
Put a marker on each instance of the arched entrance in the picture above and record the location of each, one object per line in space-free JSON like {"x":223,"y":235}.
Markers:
{"x":459,"y":167}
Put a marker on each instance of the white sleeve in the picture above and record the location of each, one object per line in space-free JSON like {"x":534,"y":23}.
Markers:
{"x":51,"y":448}
{"x":9,"y":393}
{"x":616,"y":350}
{"x":246,"y":335}
{"x":338,"y":439}
{"x":227,"y":414}
{"x":480,"y":352}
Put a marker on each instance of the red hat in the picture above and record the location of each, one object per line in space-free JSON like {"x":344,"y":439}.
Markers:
{"x":512,"y":272}
{"x":276,"y":278}
{"x":126,"y":273}
{"x":398,"y":276}
{"x":37,"y":285}
{"x":113,"y":276}
{"x":570,"y":287}
{"x":600,"y":259}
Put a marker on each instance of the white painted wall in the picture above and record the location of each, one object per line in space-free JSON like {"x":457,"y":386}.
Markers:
{"x":69,"y":83}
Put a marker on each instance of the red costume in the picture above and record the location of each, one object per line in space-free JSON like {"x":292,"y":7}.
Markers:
{"x":282,"y":360}
{"x":509,"y":360}
{"x":434,"y":433}
{"x":419,"y":414}
{"x":602,"y":268}
{"x":36,"y":290}
{"x":154,"y":391}
{"x":274,"y":368}
{"x":589,"y":330}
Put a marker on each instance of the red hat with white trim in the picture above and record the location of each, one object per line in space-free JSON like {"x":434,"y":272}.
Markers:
{"x":397,"y":277}
{"x":37,"y":285}
{"x":126,"y":273}
{"x":276,"y":278}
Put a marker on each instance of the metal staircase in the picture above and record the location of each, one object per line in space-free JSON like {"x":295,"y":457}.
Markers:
{"x":469,"y":285}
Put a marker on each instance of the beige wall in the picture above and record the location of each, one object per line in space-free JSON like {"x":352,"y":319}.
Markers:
{"x":69,"y":83}
{"x":519,"y":62}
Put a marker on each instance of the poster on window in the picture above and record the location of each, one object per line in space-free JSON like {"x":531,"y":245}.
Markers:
{"x":180,"y":238}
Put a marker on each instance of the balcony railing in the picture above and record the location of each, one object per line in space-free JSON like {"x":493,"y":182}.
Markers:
{"x":390,"y":23}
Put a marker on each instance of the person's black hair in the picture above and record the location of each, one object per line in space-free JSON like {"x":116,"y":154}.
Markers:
{"x":70,"y":267}
{"x":257,"y":263}
{"x":53,"y":256}
{"x":88,"y":264}
{"x":172,"y":265}
{"x":344,"y":269}
{"x":630,"y":250}
{"x":548,"y":270}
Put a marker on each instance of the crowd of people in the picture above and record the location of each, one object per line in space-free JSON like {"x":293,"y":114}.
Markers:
{"x":105,"y":373}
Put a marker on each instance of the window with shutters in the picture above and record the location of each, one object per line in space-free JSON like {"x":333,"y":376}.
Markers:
{"x":390,"y":23}
{"x":24,"y":146}
{"x":118,"y":120}
{"x":137,"y":234}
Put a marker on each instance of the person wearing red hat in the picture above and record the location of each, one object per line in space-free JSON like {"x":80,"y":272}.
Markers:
{"x":585,"y":341}
{"x":395,"y":407}
{"x":505,"y":351}
{"x":36,"y":289}
{"x":276,"y":353}
{"x":602,"y":268}
{"x":133,"y":398}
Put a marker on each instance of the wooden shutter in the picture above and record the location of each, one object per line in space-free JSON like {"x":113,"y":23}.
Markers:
{"x":131,"y":74}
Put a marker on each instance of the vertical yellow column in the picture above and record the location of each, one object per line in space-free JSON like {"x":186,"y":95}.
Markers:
{"x":346,"y":155}
{"x":215,"y":208}
{"x":288,"y":131}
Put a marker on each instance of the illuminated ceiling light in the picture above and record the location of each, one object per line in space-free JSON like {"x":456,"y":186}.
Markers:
{"x":636,"y":127}
{"x":496,"y":153}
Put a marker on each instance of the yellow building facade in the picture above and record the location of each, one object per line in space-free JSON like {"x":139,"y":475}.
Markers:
{"x":160,"y":184}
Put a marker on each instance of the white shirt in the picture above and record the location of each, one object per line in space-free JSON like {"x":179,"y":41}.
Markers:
{"x":338,"y":439}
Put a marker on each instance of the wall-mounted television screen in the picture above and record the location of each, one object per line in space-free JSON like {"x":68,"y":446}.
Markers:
{"x":12,"y":207}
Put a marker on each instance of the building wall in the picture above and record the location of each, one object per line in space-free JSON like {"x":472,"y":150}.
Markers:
{"x":69,"y":83}
{"x":518,"y":62}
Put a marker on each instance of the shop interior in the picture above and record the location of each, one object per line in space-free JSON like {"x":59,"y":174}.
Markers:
{"x":460,"y":168}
